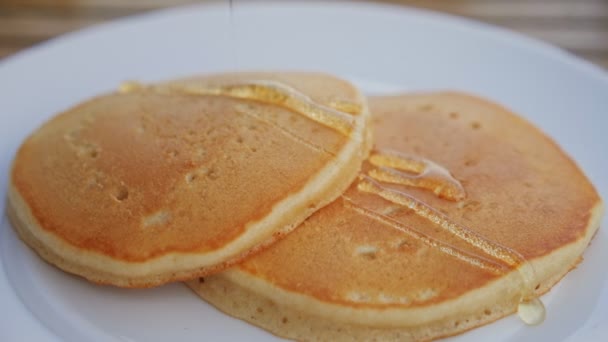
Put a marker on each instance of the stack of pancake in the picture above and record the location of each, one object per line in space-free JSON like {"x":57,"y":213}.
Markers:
{"x":291,"y":201}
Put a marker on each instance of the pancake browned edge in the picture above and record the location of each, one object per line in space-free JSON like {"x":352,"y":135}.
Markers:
{"x":167,"y":182}
{"x":368,"y":268}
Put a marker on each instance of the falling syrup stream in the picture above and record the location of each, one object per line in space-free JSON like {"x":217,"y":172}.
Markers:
{"x":263,"y":91}
{"x":233,"y":36}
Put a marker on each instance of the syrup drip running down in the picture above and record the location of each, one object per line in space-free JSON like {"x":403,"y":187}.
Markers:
{"x":263,"y":91}
{"x":422,"y":173}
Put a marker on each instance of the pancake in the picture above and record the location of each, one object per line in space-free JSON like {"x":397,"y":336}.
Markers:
{"x":463,"y":214}
{"x":171,"y":181}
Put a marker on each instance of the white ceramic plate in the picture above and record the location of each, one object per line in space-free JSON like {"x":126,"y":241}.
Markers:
{"x":382,"y":48}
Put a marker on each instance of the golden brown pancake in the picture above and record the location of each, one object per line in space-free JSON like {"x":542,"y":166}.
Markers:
{"x":461,"y":213}
{"x":166,"y":182}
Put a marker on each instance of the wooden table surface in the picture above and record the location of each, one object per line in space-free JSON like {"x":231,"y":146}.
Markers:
{"x":580,"y":26}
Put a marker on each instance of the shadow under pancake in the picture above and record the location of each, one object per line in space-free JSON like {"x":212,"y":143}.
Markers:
{"x":77,"y":310}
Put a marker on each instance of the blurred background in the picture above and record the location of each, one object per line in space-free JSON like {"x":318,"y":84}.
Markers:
{"x":580,"y":26}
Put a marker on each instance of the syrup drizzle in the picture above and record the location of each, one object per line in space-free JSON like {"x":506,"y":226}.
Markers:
{"x":245,"y":110}
{"x":263,"y":91}
{"x":426,"y":174}
{"x":390,"y":167}
{"x":433,"y":177}
{"x":429,"y":241}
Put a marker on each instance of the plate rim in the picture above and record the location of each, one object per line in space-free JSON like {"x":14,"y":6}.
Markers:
{"x":506,"y":36}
